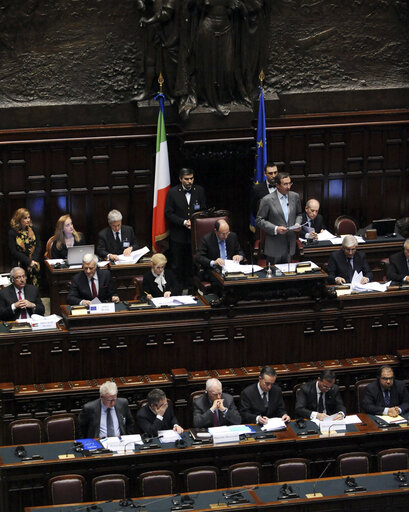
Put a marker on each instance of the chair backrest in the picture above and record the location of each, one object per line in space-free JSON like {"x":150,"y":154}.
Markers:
{"x":203,"y":223}
{"x":26,"y":431}
{"x":360,"y":386}
{"x":60,"y":427}
{"x":244,"y":473}
{"x":110,"y":487}
{"x":47,"y":253}
{"x":138,"y":282}
{"x":201,"y":478}
{"x":66,"y":489}
{"x":345,"y":225}
{"x":154,"y":483}
{"x":291,"y":469}
{"x":393,"y":459}
{"x":353,"y":463}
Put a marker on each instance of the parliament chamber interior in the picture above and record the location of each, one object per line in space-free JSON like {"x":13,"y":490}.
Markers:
{"x":91,"y":93}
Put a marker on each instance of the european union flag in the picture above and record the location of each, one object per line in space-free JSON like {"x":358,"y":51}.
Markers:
{"x":261,"y":156}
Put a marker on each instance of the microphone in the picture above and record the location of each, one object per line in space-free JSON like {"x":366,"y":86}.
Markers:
{"x":321,"y":475}
{"x":251,"y":258}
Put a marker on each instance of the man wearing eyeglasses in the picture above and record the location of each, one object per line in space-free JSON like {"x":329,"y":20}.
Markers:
{"x":108,"y":416}
{"x":386,"y":395}
{"x":278,"y":212}
{"x":263,"y":399}
{"x":320,"y":398}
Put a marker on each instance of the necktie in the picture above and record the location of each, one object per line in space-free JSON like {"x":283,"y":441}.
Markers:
{"x":222,"y":249}
{"x":118,"y":243}
{"x":110,"y":424}
{"x":285,"y":207}
{"x":23,"y":313}
{"x":407,"y":262}
{"x":321,"y":403}
{"x":215,"y":419}
{"x":351,"y":268}
{"x":265,"y":401}
{"x":387,"y":398}
{"x":94,"y":288}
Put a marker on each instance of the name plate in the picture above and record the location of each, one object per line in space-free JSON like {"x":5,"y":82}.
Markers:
{"x":41,"y":326}
{"x":102,"y":308}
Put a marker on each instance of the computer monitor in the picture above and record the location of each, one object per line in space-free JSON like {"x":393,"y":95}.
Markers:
{"x":384,"y":226}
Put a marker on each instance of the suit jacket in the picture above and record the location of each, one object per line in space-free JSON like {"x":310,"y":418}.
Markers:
{"x":374,"y":399}
{"x":18,"y":258}
{"x":107,"y":244}
{"x":90,"y":418}
{"x":62,"y":253}
{"x":80,"y":290}
{"x":148,"y":423}
{"x":209,"y":248}
{"x":338,"y":266}
{"x":8,"y":297}
{"x":306,"y":401}
{"x":203,"y":416}
{"x":151,"y":288}
{"x":252,"y":405}
{"x":317,"y":224}
{"x":397,"y":268}
{"x":177,"y":211}
{"x":257,"y":193}
{"x":270,"y":215}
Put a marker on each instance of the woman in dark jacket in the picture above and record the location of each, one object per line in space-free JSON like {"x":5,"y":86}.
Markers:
{"x":159,"y":282}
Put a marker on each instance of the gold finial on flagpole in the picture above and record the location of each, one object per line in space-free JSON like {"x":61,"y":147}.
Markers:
{"x":261,"y":77}
{"x":160,"y":81}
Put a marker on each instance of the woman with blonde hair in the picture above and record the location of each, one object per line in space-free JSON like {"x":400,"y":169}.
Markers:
{"x":65,"y":236}
{"x":159,"y":282}
{"x":25,"y":245}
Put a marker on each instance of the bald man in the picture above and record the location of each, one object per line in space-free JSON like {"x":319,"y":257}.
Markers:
{"x":314,"y":222}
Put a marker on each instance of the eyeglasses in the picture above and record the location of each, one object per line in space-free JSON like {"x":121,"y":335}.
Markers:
{"x":387,"y":378}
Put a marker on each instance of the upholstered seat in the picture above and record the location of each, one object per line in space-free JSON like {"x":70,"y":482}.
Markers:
{"x":66,"y":489}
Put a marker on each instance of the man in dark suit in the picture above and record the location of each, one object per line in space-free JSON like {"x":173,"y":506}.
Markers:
{"x":108,"y":416}
{"x":157,"y":414}
{"x":217,"y":246}
{"x":20,"y":300}
{"x":92,"y":282}
{"x":268,"y":186}
{"x":398,"y":268}
{"x":181,"y":202}
{"x":263,"y":399}
{"x":386,"y":395}
{"x":215,"y":408}
{"x":312,"y":222}
{"x":320,"y":398}
{"x":116,"y":239}
{"x":279,"y":211}
{"x":343,"y":263}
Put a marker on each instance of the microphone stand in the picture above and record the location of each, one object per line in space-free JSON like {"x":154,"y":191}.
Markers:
{"x":319,"y":478}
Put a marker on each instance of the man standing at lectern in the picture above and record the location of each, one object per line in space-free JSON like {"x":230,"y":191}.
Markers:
{"x":277,"y":213}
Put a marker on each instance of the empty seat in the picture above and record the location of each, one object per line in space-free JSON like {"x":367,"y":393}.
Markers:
{"x":109,"y":487}
{"x":285,"y":470}
{"x":353,"y":463}
{"x":244,"y":473}
{"x":154,"y":483}
{"x":66,"y":489}
{"x":201,"y":478}
{"x":60,"y":427}
{"x":393,"y":459}
{"x":26,"y":431}
{"x":345,"y":225}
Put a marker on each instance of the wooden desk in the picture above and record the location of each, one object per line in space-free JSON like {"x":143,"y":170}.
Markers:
{"x":319,"y":449}
{"x":382,"y":493}
{"x":59,"y":281}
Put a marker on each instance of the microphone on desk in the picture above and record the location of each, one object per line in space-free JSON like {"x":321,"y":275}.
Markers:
{"x":251,"y":258}
{"x":321,"y":475}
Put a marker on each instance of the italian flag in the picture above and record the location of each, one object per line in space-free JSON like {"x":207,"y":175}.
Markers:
{"x":162,"y":181}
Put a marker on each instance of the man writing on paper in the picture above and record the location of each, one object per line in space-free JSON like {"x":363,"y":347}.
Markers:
{"x":320,"y":398}
{"x":92,"y":282}
{"x":215,"y":408}
{"x":108,"y":416}
{"x":157,"y":414}
{"x":263,"y":400}
{"x":116,"y":239}
{"x":20,"y":300}
{"x":277,"y":213}
{"x":343,"y":263}
{"x":386,"y":395}
{"x":312,"y":222}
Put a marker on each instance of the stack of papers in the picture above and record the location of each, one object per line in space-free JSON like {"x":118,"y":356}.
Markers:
{"x":229,"y":434}
{"x":374,"y":286}
{"x":134,"y":257}
{"x":121,"y":444}
{"x":285,"y":267}
{"x":233,"y":266}
{"x":168,"y":436}
{"x":177,"y":300}
{"x":330,"y":424}
{"x":390,"y":419}
{"x":274,"y":424}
